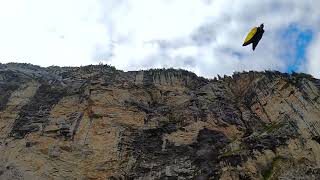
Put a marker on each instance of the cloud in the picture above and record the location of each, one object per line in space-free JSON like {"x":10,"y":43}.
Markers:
{"x":209,"y":34}
{"x":51,"y":32}
{"x":313,"y":64}
{"x":202,"y":36}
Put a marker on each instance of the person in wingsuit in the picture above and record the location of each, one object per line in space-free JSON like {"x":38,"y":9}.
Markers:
{"x":254,"y":36}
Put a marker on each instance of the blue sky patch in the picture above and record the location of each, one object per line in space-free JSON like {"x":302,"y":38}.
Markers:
{"x":295,"y":43}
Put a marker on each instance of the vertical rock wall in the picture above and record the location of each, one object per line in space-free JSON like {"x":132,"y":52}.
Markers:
{"x":96,"y":122}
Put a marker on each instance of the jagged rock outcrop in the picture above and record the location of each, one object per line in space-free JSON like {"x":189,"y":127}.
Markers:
{"x":96,"y":122}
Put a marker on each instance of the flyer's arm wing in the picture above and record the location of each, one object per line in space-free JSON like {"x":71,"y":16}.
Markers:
{"x":250,"y":36}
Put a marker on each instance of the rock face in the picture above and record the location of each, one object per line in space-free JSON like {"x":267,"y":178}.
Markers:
{"x":96,"y":122}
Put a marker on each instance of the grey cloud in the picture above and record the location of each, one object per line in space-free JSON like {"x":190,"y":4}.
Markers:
{"x":102,"y":54}
{"x":189,"y":61}
{"x":173,"y":44}
{"x":205,"y":34}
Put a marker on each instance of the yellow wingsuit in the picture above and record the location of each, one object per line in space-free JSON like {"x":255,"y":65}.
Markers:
{"x":254,"y":36}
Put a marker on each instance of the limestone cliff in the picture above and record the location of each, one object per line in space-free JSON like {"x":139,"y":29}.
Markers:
{"x":96,"y":122}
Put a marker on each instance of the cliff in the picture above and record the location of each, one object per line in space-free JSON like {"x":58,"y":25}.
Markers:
{"x":96,"y":122}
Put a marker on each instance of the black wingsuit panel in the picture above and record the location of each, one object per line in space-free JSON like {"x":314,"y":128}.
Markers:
{"x":257,"y":38}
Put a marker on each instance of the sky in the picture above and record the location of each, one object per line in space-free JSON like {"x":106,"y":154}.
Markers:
{"x":203,"y":36}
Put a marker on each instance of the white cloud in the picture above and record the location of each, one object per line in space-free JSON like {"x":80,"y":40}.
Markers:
{"x":313,"y":64}
{"x":202,"y":36}
{"x":50,"y":32}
